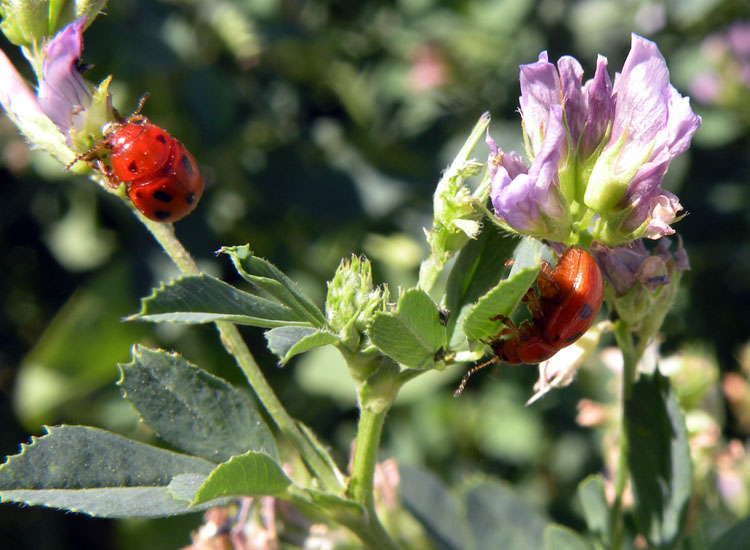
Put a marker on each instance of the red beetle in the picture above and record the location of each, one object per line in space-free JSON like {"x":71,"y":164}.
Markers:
{"x":161,"y":175}
{"x":568,"y":301}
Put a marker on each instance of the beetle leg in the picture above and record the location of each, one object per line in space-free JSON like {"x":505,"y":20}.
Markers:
{"x":548,"y":288}
{"x":511,"y":328}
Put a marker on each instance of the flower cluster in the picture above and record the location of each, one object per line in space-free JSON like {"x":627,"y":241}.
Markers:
{"x":642,"y":284}
{"x":598,"y":150}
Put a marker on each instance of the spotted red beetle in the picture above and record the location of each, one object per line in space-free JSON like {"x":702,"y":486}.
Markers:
{"x":568,"y":300}
{"x":161,"y":175}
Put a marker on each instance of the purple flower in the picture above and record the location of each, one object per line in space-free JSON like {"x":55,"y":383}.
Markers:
{"x":642,"y":285}
{"x":529,"y":199}
{"x":651,"y":125}
{"x":63,"y":93}
{"x":15,"y":96}
{"x":587,"y":108}
{"x":625,"y":266}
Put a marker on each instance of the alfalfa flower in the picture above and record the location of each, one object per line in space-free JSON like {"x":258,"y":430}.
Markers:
{"x":598,"y":151}
{"x":642,"y":283}
{"x":78,"y":110}
{"x":529,"y":199}
{"x":652,"y":124}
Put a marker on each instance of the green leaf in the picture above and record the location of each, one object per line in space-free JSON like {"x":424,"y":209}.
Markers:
{"x":424,"y":495}
{"x":736,"y":538}
{"x":286,"y":342}
{"x":97,"y":473}
{"x":506,"y":295}
{"x":478,"y":268}
{"x":558,"y":537}
{"x":487,"y":515}
{"x":413,"y":333}
{"x":184,"y":486}
{"x":204,"y":299}
{"x":499,"y":518}
{"x":501,"y":300}
{"x":595,"y":509}
{"x":659,"y":460}
{"x":192,"y":409}
{"x":273,"y":282}
{"x":251,"y":474}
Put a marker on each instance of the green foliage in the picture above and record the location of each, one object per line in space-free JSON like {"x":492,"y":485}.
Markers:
{"x":557,"y":537}
{"x":413,"y":334}
{"x":250,"y":474}
{"x":272,"y":282}
{"x":485,"y":513}
{"x":659,"y":460}
{"x":205,"y":299}
{"x":286,"y":342}
{"x":735,"y":538}
{"x":595,"y":508}
{"x":477,"y":270}
{"x":192,"y":409}
{"x":504,"y":297}
{"x":98,"y":473}
{"x":314,"y":135}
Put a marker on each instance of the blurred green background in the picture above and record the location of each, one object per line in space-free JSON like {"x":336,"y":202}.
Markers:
{"x":322,"y":129}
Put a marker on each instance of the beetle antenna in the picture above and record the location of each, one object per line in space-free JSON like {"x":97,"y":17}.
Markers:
{"x":466,"y":377}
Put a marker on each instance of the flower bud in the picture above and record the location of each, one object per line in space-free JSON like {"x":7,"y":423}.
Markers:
{"x":352,"y":299}
{"x":641,"y":286}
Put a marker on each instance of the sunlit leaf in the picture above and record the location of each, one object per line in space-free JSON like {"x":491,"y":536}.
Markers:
{"x":97,"y":473}
{"x":286,"y":342}
{"x":251,"y":474}
{"x":659,"y":460}
{"x":192,"y":409}
{"x":413,"y":333}
{"x":274,"y":283}
{"x":204,"y":299}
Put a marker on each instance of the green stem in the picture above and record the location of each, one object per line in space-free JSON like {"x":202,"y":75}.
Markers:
{"x":361,"y":485}
{"x":630,"y":356}
{"x":322,"y":466}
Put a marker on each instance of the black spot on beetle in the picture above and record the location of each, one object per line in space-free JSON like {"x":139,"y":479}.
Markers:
{"x":162,"y":196}
{"x":162,"y":138}
{"x":162,"y":214}
{"x":190,"y":199}
{"x":187,"y":165}
{"x":585,"y":312}
{"x":575,"y":337}
{"x":133,"y":167}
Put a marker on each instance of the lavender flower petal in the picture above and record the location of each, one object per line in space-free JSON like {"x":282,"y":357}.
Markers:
{"x":641,"y":103}
{"x":521,"y":200}
{"x":571,"y":76}
{"x":540,"y":89}
{"x":600,"y":107}
{"x":63,"y":93}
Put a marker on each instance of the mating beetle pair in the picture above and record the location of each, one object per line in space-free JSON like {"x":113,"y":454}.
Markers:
{"x":569,"y":299}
